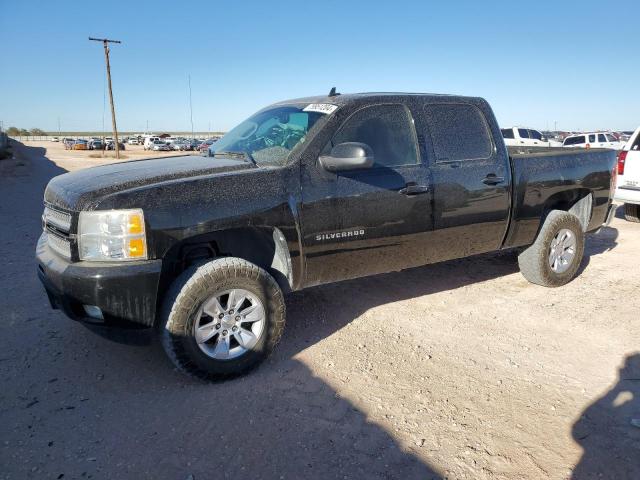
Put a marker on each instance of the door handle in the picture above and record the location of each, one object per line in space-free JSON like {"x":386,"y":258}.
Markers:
{"x":492,"y":179}
{"x":413,"y":189}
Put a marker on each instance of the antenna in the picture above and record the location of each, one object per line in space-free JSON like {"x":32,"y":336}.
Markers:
{"x":333,"y":92}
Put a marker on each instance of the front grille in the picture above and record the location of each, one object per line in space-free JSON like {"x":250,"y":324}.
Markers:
{"x":61,"y":246}
{"x":57,"y":225}
{"x":56,"y":218}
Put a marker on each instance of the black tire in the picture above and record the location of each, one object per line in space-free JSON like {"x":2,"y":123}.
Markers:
{"x":534,"y":261}
{"x":196,"y":285}
{"x":631,"y":212}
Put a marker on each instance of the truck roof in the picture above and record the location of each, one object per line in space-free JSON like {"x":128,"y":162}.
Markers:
{"x":341,"y":99}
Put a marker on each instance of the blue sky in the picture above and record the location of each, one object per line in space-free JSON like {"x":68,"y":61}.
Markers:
{"x":537,"y":63}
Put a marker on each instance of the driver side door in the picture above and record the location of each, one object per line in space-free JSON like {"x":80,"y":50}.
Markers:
{"x":374,"y":220}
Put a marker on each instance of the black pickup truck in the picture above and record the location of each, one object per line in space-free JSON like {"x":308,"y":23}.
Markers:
{"x":306,"y":192}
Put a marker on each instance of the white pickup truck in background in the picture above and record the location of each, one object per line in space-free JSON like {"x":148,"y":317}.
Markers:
{"x":593,"y":140}
{"x":526,"y":137}
{"x":628,"y":184}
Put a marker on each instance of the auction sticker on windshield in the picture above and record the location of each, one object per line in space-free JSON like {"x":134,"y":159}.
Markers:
{"x":326,"y":108}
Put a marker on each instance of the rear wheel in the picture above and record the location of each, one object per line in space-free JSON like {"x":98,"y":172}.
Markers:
{"x":555,"y":256}
{"x":222,"y":319}
{"x":632,"y":212}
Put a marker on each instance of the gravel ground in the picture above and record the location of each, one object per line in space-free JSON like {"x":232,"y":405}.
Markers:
{"x":458,"y":370}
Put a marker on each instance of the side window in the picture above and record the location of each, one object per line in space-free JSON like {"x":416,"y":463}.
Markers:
{"x":592,"y":138}
{"x":458,"y":132}
{"x":574,"y":140}
{"x":601,"y":138}
{"x":387,"y":129}
{"x":536,"y":135}
{"x":507,"y":132}
{"x":523,"y":132}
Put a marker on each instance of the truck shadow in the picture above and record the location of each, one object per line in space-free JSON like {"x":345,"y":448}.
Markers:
{"x":609,"y":441}
{"x":597,"y":243}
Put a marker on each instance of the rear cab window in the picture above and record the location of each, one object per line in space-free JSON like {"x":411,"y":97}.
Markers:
{"x":507,"y":132}
{"x":458,"y":132}
{"x":523,"y":133}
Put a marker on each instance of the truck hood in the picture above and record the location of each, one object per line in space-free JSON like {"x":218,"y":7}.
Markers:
{"x":82,"y":189}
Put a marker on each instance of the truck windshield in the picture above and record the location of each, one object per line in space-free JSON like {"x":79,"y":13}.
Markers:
{"x":269,"y":136}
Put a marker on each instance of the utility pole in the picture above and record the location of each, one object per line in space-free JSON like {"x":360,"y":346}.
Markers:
{"x":106,"y":42}
{"x":59,"y":127}
{"x":191,"y":107}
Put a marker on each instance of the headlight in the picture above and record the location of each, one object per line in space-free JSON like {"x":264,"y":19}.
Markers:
{"x":112,"y":235}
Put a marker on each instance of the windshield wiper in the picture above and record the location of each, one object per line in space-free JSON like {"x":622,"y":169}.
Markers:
{"x":245,"y":155}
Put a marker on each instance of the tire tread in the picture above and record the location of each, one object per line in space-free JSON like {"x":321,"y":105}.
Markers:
{"x":533,"y":262}
{"x":183,"y":292}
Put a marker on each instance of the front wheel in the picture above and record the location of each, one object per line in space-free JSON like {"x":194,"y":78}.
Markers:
{"x":631,"y":212}
{"x":555,"y":256}
{"x":222,"y":319}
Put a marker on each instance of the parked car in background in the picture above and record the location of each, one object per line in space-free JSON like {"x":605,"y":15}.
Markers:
{"x":133,"y":141}
{"x":204,"y":146}
{"x":593,"y":140}
{"x":149,"y":141}
{"x":179,"y":145}
{"x":628,"y":185}
{"x":111,"y":145}
{"x":624,"y":136}
{"x":55,"y":139}
{"x":160,"y":146}
{"x":80,"y":145}
{"x":526,"y":137}
{"x":95,"y":144}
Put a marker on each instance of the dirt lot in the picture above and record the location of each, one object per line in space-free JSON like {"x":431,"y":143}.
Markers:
{"x":74,"y":159}
{"x":458,"y":370}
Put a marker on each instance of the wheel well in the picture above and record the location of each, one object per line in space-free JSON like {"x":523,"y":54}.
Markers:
{"x":265,"y":247}
{"x":578,"y":201}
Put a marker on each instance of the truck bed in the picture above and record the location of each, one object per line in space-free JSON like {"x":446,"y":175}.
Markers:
{"x":541,"y":178}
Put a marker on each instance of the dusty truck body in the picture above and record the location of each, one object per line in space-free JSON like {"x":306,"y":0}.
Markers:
{"x":306,"y":192}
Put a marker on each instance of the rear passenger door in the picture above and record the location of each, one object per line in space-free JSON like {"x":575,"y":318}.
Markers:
{"x":470,"y":177}
{"x":523,"y":133}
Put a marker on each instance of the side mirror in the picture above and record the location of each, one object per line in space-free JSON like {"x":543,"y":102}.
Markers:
{"x":348,"y":156}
